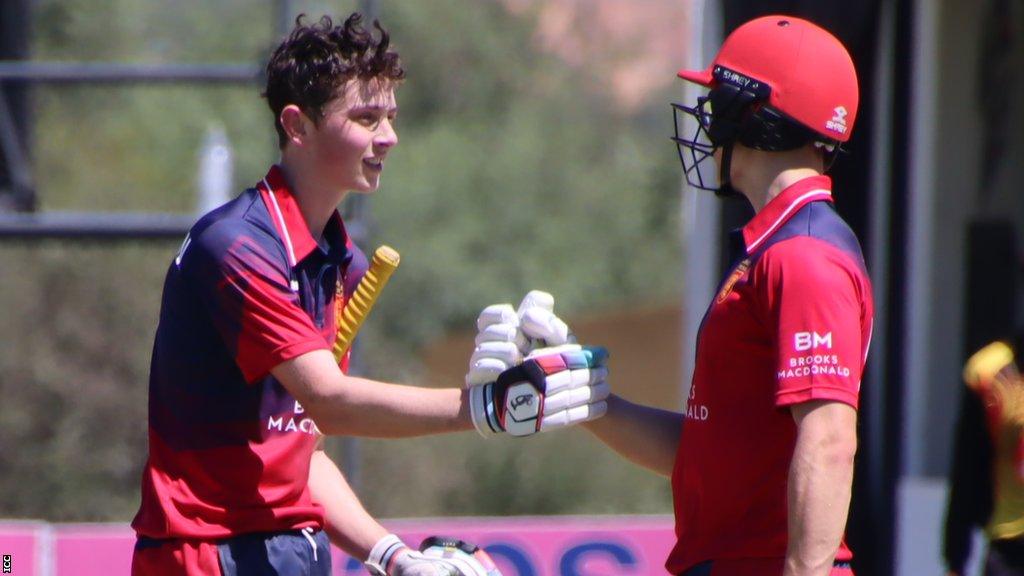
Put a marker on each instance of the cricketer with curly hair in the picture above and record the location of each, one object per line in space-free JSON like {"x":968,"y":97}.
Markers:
{"x":243,"y":382}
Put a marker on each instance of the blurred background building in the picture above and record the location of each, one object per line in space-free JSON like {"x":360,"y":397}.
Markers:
{"x":534,"y":153}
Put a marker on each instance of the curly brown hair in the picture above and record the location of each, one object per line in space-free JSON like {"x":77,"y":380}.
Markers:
{"x":312,"y":65}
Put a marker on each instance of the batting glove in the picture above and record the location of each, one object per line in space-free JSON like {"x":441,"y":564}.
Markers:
{"x":559,"y":387}
{"x":471,"y":559}
{"x":439,"y":557}
{"x":505,"y":336}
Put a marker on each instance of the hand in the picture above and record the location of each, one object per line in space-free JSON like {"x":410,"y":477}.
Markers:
{"x":439,"y":557}
{"x":412,"y":563}
{"x":505,"y":336}
{"x":470,"y":559}
{"x":551,"y":389}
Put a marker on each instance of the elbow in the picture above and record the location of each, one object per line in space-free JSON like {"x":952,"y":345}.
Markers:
{"x":329,"y":415}
{"x":839,"y":450}
{"x":333,"y":418}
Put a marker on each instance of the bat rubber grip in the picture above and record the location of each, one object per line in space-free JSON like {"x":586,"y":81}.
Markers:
{"x":350,"y":319}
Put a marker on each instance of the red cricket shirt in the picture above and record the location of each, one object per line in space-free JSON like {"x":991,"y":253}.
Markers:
{"x":229,"y":447}
{"x":791,"y":323}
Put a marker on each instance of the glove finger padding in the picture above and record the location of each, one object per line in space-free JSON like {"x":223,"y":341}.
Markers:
{"x":497,"y":314}
{"x":499,"y":344}
{"x":533,"y":325}
{"x":543,"y":328}
{"x":490,"y":359}
{"x":575,"y":379}
{"x":538,"y":323}
{"x":536,"y":299}
{"x":500,"y":333}
{"x":577,"y":415}
{"x":587,"y":393}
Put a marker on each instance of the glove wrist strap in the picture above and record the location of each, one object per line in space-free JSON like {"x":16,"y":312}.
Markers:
{"x":382,"y":553}
{"x":482,"y":410}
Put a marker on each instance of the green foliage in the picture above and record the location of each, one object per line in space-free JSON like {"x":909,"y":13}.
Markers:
{"x":566,"y":472}
{"x":514,"y":171}
{"x":148,"y":31}
{"x":78,"y":325}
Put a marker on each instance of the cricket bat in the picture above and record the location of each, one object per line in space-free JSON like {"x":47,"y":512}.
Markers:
{"x":350,"y":318}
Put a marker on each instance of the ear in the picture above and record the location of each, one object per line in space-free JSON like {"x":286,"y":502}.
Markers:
{"x":297,"y":126}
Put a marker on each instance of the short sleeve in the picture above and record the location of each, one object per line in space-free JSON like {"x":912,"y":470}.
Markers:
{"x":244,"y":285}
{"x":815,"y":300}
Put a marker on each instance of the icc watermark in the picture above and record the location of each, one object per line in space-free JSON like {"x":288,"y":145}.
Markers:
{"x":7,"y":563}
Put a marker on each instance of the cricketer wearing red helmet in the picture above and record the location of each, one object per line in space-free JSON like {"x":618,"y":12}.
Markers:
{"x":243,"y":382}
{"x":762,"y":461}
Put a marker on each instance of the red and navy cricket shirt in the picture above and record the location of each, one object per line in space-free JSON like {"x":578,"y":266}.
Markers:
{"x":791,"y":323}
{"x":229,"y":447}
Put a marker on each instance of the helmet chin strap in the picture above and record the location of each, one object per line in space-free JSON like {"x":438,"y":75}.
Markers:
{"x":725,"y":189}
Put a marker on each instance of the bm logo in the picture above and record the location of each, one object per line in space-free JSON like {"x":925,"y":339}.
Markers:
{"x":809,"y":340}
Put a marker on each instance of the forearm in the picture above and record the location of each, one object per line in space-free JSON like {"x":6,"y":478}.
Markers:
{"x":376,"y":409}
{"x":646,"y":436}
{"x":348,"y":524}
{"x":345,"y":405}
{"x":820,"y":480}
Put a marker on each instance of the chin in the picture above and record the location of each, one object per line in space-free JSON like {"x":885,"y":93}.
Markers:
{"x":366,"y":187}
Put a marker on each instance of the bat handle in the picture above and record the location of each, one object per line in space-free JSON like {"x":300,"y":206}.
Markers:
{"x":384,"y":262}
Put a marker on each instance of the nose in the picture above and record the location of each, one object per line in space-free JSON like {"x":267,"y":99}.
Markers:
{"x":386,"y":135}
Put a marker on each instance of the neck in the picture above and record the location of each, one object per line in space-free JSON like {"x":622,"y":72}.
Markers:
{"x":316,"y":201}
{"x":780,"y":182}
{"x":764,"y":175}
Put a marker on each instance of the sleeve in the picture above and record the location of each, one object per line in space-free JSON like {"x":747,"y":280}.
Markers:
{"x":815,"y":302}
{"x":970,"y":482}
{"x":244,"y":287}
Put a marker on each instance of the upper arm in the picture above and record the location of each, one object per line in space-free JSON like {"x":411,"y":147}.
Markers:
{"x":819,"y":311}
{"x":827,"y":425}
{"x":244,"y":287}
{"x":826,"y":414}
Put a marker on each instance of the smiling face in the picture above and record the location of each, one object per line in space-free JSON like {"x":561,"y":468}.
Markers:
{"x":350,"y":142}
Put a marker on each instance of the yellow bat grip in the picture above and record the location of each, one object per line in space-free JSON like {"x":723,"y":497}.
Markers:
{"x":351,"y":318}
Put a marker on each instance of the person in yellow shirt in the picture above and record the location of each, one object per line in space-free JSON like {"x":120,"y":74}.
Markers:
{"x":987,"y":479}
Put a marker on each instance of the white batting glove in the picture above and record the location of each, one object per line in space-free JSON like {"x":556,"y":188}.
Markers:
{"x":506,"y":336}
{"x":560,"y":387}
{"x":538,"y":323}
{"x":391,"y":557}
{"x":469,"y":558}
{"x":499,"y":344}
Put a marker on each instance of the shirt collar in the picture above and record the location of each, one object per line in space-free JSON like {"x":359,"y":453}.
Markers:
{"x":783,"y":207}
{"x":291,"y":226}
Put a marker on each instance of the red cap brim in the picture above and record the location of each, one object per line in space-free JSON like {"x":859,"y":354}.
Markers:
{"x":702,"y":77}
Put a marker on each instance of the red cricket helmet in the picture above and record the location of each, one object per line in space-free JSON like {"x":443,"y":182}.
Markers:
{"x":810,"y":74}
{"x":777,"y":83}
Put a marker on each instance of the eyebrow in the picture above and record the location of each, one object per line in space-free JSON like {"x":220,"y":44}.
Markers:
{"x":373,"y":107}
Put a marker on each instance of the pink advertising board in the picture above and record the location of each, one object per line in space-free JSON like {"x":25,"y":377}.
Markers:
{"x":20,"y":546}
{"x":546,"y":546}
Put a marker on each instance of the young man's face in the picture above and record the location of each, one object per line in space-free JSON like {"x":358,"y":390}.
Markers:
{"x":355,"y":135}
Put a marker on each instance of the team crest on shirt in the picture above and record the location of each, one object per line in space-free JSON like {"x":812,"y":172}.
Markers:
{"x":738,"y":273}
